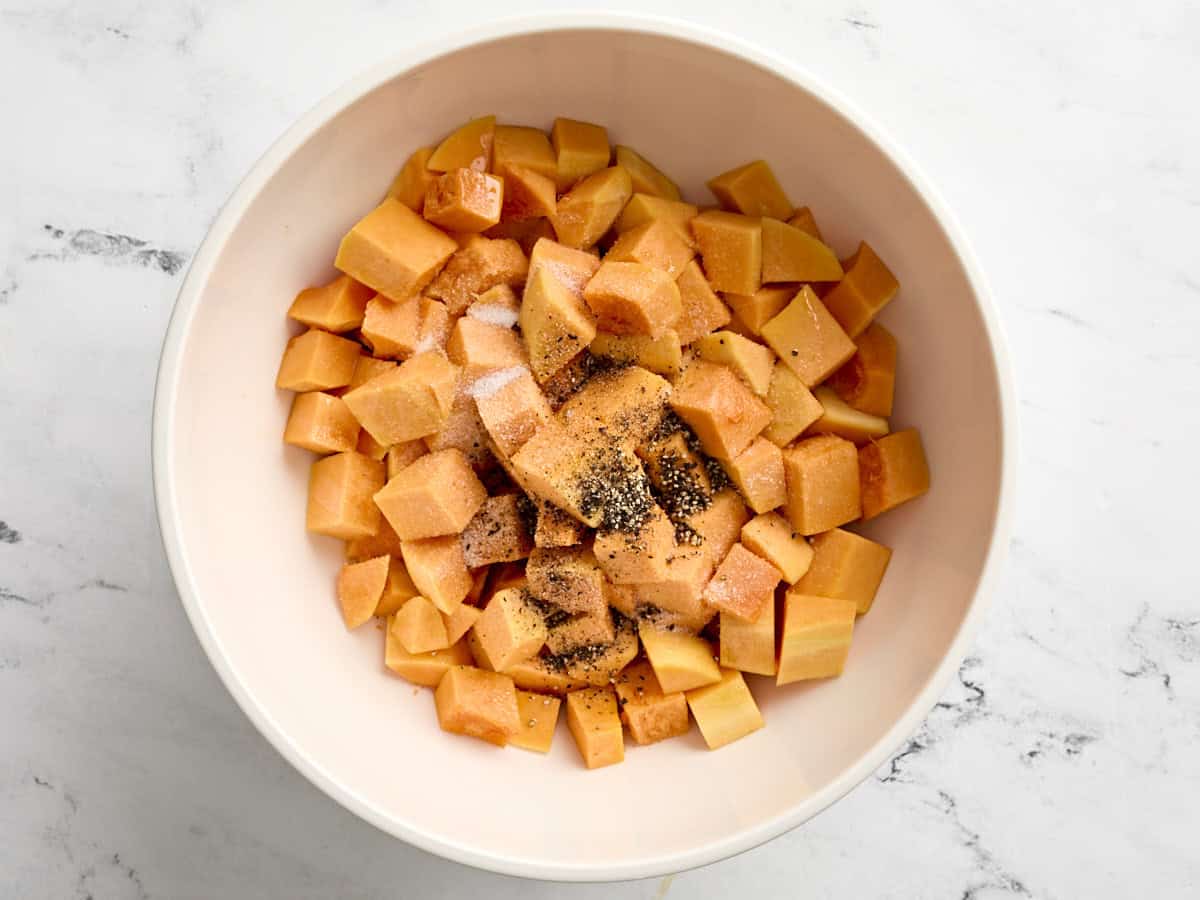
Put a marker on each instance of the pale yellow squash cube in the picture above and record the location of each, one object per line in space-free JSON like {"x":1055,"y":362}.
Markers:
{"x":538,"y":716}
{"x":814,"y":638}
{"x":681,"y":661}
{"x":771,"y":536}
{"x":725,"y":711}
{"x":749,"y":646}
{"x":751,"y":361}
{"x":840,"y":418}
{"x":793,"y":406}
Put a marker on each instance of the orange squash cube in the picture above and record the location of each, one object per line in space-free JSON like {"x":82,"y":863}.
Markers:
{"x":553,"y":466}
{"x":555,"y":323}
{"x":340,"y":488}
{"x":527,"y":195}
{"x":771,"y":536}
{"x":463,"y":430}
{"x":749,"y":646}
{"x":806,"y":222}
{"x":394,"y":250}
{"x":596,"y":727}
{"x":638,"y":557}
{"x":555,"y":528}
{"x":589,"y":209}
{"x":758,"y":473}
{"x":464,"y":200}
{"x":752,"y":189}
{"x":568,"y":578}
{"x":892,"y":470}
{"x":513,"y":412}
{"x":600,"y":666}
{"x":337,"y":306}
{"x":368,"y":367}
{"x":360,"y":588}
{"x":681,"y":661}
{"x":645,"y":177}
{"x":725,"y":711}
{"x":622,"y":406}
{"x":482,"y":263}
{"x":403,"y":454}
{"x":868,"y":381}
{"x":413,"y":180}
{"x":867,"y":287}
{"x":793,"y":406}
{"x":822,"y":484}
{"x":423,"y":668}
{"x":538,"y":716}
{"x":643,"y":208}
{"x":510,"y":629}
{"x":521,"y":145}
{"x":677,"y":472}
{"x":321,"y":423}
{"x":580,"y":148}
{"x":392,"y":327}
{"x":419,"y":627}
{"x":469,"y":147}
{"x":790,"y":254}
{"x":437,"y":494}
{"x":650,"y":714}
{"x":718,"y":406}
{"x":815,"y":637}
{"x":398,"y":589}
{"x":317,"y":361}
{"x":478,"y":704}
{"x":587,"y":630}
{"x":846,"y":566}
{"x":751,"y":361}
{"x":662,"y":355}
{"x":572,"y":268}
{"x":631,"y":298}
{"x":717,"y":527}
{"x":438,"y":569}
{"x":656,"y":243}
{"x":681,"y":589}
{"x":540,"y":676}
{"x":368,"y":446}
{"x":701,"y":310}
{"x":755,"y":310}
{"x":409,"y":402}
{"x":526,"y":232}
{"x":807,"y":339}
{"x":462,"y":620}
{"x":743,"y":585}
{"x":381,"y":542}
{"x":731,"y":248}
{"x":498,"y":532}
{"x":480,"y":348}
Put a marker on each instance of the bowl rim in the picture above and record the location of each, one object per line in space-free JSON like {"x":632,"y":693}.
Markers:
{"x":187,"y":302}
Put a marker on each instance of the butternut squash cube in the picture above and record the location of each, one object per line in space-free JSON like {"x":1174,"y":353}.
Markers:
{"x":464,"y":200}
{"x":423,"y":668}
{"x":538,"y":715}
{"x":815,"y":637}
{"x":845,"y":566}
{"x":749,"y":646}
{"x":526,"y":232}
{"x":587,"y":630}
{"x":807,"y":339}
{"x":481,"y":264}
{"x":408,"y":402}
{"x":537,"y":674}
{"x":337,"y":306}
{"x":360,"y":588}
{"x":438,"y":569}
{"x":527,"y":195}
{"x":731,"y":247}
{"x":840,"y":418}
{"x":317,"y":361}
{"x":650,"y":714}
{"x":569,"y":578}
{"x":368,"y":446}
{"x":589,"y":209}
{"x":631,"y":298}
{"x":480,"y":348}
{"x":755,"y":310}
{"x":498,"y":305}
{"x":553,"y":466}
{"x":510,"y":629}
{"x":580,"y":148}
{"x":643,"y":208}
{"x":656,"y":243}
{"x":790,"y":254}
{"x":868,"y":381}
{"x":462,"y":620}
{"x":555,"y":528}
{"x":479,"y":704}
{"x":419,"y":627}
{"x":793,"y":406}
{"x":392,"y":327}
{"x":594,"y":724}
{"x":771,"y":536}
{"x":743,"y":585}
{"x":463,"y":430}
{"x":752,"y":189}
{"x":681,"y":661}
{"x":725,"y":711}
{"x":718,"y":406}
{"x":822,"y":484}
{"x":413,"y":180}
{"x":382,"y":542}
{"x":758,"y":473}
{"x":752,"y":362}
{"x":600,"y":665}
{"x":513,"y":412}
{"x":498,"y":532}
{"x":662,"y":355}
{"x":624,"y":406}
{"x":555,"y":323}
{"x":717,"y":527}
{"x":521,"y":145}
{"x":368,"y":367}
{"x":438,"y":494}
{"x":340,"y":488}
{"x":681,"y":590}
{"x":321,"y":423}
{"x":892,"y":470}
{"x":867,"y":287}
{"x":678,"y":473}
{"x":572,"y":268}
{"x":701,"y":310}
{"x":646,"y":178}
{"x":401,"y":455}
{"x":398,"y":589}
{"x":394,"y":250}
{"x":470,"y":147}
{"x":641,"y":556}
{"x":804,"y":220}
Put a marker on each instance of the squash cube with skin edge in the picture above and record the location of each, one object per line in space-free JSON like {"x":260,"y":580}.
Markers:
{"x":580,"y":149}
{"x":317,"y":361}
{"x":681,"y":661}
{"x":589,"y":209}
{"x":555,"y":323}
{"x":479,"y":704}
{"x":770,"y":536}
{"x":596,"y":727}
{"x":681,"y":590}
{"x":413,"y":180}
{"x":718,"y":406}
{"x":481,"y":264}
{"x":656,"y":243}
{"x":743,"y":585}
{"x":521,"y":145}
{"x":793,"y":406}
{"x":420,"y":627}
{"x":893,"y":470}
{"x":752,"y":362}
{"x":701,"y":310}
{"x":868,"y":286}
{"x":480,"y":348}
{"x":360,"y":588}
{"x":513,"y":412}
{"x":436,"y":495}
{"x":631,"y":298}
{"x":731,"y":249}
{"x":638,"y":557}
{"x":537,"y":718}
{"x":645,"y":177}
{"x":470,"y":147}
{"x":392,"y":327}
{"x":527,"y":195}
{"x":403,"y":454}
{"x":340,"y":488}
{"x":650,"y":714}
{"x":719,"y":525}
{"x":804,"y":220}
{"x":588,"y":630}
{"x":394,"y":250}
{"x":842,"y":419}
{"x":510,"y":629}
{"x":662,"y":355}
{"x":569,"y":578}
{"x":422,"y":668}
{"x":814,"y":638}
{"x":321,"y":423}
{"x":868,"y":381}
{"x":755,"y":310}
{"x":552,"y":466}
{"x":807,"y":339}
{"x":845,"y":566}
{"x":725,"y":711}
{"x":643,"y":208}
{"x":572,"y":268}
{"x":822,"y":484}
{"x":758,"y":473}
{"x":749,"y":646}
{"x":497,"y":533}
{"x":790,"y":254}
{"x":337,"y":306}
{"x":438,"y":570}
{"x":752,"y":189}
{"x":555,"y":528}
{"x":464,"y":200}
{"x":625,"y":405}
{"x":369,"y":367}
{"x":409,"y":402}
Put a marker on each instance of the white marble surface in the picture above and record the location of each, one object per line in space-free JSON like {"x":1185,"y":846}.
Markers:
{"x":1066,"y":760}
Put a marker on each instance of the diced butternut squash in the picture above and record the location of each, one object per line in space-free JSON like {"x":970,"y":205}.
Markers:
{"x":589,"y":209}
{"x":462,"y":620}
{"x":650,"y":714}
{"x":463,"y":430}
{"x":645,"y":176}
{"x":555,"y":528}
{"x":526,"y":232}
{"x":438,"y":570}
{"x":479,"y":704}
{"x":499,"y":532}
{"x":555,"y":323}
{"x":340,"y":488}
{"x":470,"y":147}
{"x":681,"y":661}
{"x":731,"y":249}
{"x":438,"y":494}
{"x":743,"y":585}
{"x":537,"y":717}
{"x":413,"y":179}
{"x":408,"y":402}
{"x":553,"y":466}
{"x":701,"y":310}
{"x":793,"y":406}
{"x":527,"y":195}
{"x":656,"y":243}
{"x":637,"y":557}
{"x":398,"y":589}
{"x":600,"y":665}
{"x":580,"y":148}
{"x":631,"y":298}
{"x":498,"y":305}
{"x":321,"y":423}
{"x":868,"y":381}
{"x":840,"y":418}
{"x":510,"y":628}
{"x":770,"y":535}
{"x":513,"y":412}
{"x":573,"y":268}
{"x":752,"y":189}
{"x":749,"y":646}
{"x":752,"y":362}
{"x":537,"y":674}
{"x":681,"y":589}
{"x":368,"y":446}
{"x":382,"y":542}
{"x":662,"y":355}
{"x":815,"y":637}
{"x":568,"y":578}
{"x":419,"y":627}
{"x":317,"y":361}
{"x":893,"y":470}
{"x":867,"y":287}
{"x":423,"y":668}
{"x":790,"y":254}
{"x":596,"y":727}
{"x":822,"y":484}
{"x":368,"y":367}
{"x":464,"y":200}
{"x":678,"y":473}
{"x":480,"y":348}
{"x":394,"y":250}
{"x":481,"y":264}
{"x":520,"y":145}
{"x":755,"y":310}
{"x":719,"y":525}
{"x":337,"y":306}
{"x":623,"y":405}
{"x":392,"y":327}
{"x":807,"y":339}
{"x":758,"y":473}
{"x":360,"y":588}
{"x":718,"y":406}
{"x":725,"y":711}
{"x":403,"y":454}
{"x":846,"y":566}
{"x":805,"y":221}
{"x":588,"y":630}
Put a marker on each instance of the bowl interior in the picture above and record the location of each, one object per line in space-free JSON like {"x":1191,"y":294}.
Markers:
{"x":261,"y":590}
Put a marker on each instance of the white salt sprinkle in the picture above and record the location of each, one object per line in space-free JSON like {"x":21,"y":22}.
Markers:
{"x":488,"y":384}
{"x":493,"y":315}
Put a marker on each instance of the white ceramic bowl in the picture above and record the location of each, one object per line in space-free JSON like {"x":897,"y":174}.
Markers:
{"x":259,"y":590}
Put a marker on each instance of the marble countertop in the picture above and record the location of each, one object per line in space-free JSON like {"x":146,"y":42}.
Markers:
{"x":1063,"y":762}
